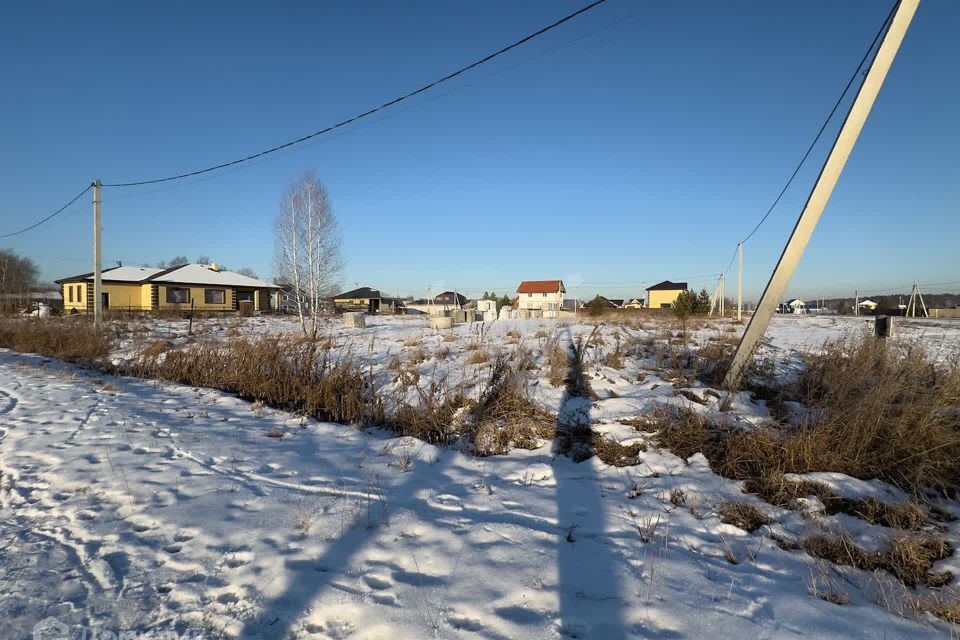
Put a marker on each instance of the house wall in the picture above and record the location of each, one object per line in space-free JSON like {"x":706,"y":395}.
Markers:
{"x":657,"y":298}
{"x":540,"y":300}
{"x":121,"y":296}
{"x":79,"y":302}
{"x":137,"y":297}
{"x":197,"y":295}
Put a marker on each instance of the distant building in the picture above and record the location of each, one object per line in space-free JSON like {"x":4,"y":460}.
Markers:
{"x":367,"y":300}
{"x":796,"y":306}
{"x":868,"y":305}
{"x":664,"y":294}
{"x":450,"y":300}
{"x":633,"y":303}
{"x":541,"y":294}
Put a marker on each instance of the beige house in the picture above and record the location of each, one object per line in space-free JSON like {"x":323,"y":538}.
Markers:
{"x":663,"y":294}
{"x":546,"y":295}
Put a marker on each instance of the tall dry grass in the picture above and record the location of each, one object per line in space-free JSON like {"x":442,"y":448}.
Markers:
{"x":69,"y":339}
{"x":289,"y":374}
{"x":872,"y":411}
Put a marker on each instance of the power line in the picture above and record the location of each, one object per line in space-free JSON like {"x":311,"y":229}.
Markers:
{"x":49,"y":217}
{"x":372,"y":111}
{"x":823,"y":127}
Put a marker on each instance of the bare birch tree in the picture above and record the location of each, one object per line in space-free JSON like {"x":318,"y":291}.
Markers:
{"x":307,"y":249}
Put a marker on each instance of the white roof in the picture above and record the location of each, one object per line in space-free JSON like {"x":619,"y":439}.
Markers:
{"x":129,"y":274}
{"x":203,"y":274}
{"x":868,"y":303}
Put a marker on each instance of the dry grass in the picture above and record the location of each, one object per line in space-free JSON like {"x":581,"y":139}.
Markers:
{"x":871,"y":413}
{"x":908,"y":558}
{"x":557,"y":361}
{"x":506,"y":415}
{"x":580,"y":442}
{"x":743,"y":515}
{"x":879,"y":412}
{"x":479,"y":356}
{"x":69,"y":339}
{"x":275,"y":371}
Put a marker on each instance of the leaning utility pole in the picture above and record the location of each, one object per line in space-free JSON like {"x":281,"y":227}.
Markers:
{"x":740,"y":282}
{"x":820,"y":195}
{"x":97,"y":280}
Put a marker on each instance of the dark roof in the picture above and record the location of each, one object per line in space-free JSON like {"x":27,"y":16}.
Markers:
{"x":362,"y":292}
{"x":448,"y":297}
{"x":666,"y":285}
{"x":84,"y":276}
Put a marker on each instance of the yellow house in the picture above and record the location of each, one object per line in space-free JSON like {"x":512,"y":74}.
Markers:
{"x":662,"y":295}
{"x":204,"y":287}
{"x":633,"y":303}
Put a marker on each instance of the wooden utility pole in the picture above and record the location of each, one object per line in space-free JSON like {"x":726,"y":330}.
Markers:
{"x":821,"y":192}
{"x":97,"y":279}
{"x":740,"y":282}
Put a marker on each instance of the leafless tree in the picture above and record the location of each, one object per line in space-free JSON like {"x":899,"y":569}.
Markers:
{"x":247,"y":271}
{"x":307,"y":248}
{"x":17,"y":274}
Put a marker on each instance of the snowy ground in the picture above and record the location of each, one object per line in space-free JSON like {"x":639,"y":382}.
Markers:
{"x":130,"y":505}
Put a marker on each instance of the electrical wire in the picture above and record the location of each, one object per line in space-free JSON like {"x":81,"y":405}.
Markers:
{"x":372,"y":111}
{"x":823,"y":127}
{"x":49,"y":217}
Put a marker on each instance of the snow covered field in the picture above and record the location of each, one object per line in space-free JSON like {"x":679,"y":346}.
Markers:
{"x":133,"y":505}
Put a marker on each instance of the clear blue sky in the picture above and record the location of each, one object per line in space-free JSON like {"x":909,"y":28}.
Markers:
{"x":635,"y":144}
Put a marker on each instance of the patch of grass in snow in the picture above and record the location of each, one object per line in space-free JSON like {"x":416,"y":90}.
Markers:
{"x":909,"y":558}
{"x":743,"y":515}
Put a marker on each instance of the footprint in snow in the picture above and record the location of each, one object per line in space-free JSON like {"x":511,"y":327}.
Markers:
{"x":385,"y":598}
{"x":378,"y":582}
{"x":448,"y":502}
{"x":465,"y":622}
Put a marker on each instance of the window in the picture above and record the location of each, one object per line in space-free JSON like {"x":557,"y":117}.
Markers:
{"x":529,"y":295}
{"x":544,"y":294}
{"x":214,"y":296}
{"x":177,"y":295}
{"x":70,"y":293}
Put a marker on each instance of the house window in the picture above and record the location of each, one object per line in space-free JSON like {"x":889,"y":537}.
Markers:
{"x":529,"y":295}
{"x":214,"y":296}
{"x":544,"y":295}
{"x":70,"y":293}
{"x":177,"y":295}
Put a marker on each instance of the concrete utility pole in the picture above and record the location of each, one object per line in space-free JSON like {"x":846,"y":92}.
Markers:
{"x":723,"y":292}
{"x":856,"y":302}
{"x":822,"y":190}
{"x":97,"y":280}
{"x":740,"y":282}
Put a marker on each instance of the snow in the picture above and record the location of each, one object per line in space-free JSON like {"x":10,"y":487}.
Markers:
{"x":202,"y":274}
{"x":134,"y":505}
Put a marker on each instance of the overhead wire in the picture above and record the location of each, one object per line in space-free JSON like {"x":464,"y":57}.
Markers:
{"x":823,"y":128}
{"x":369,"y":112}
{"x":49,"y":217}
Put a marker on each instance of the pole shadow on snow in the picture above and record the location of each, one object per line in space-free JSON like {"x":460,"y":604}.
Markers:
{"x":589,"y":586}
